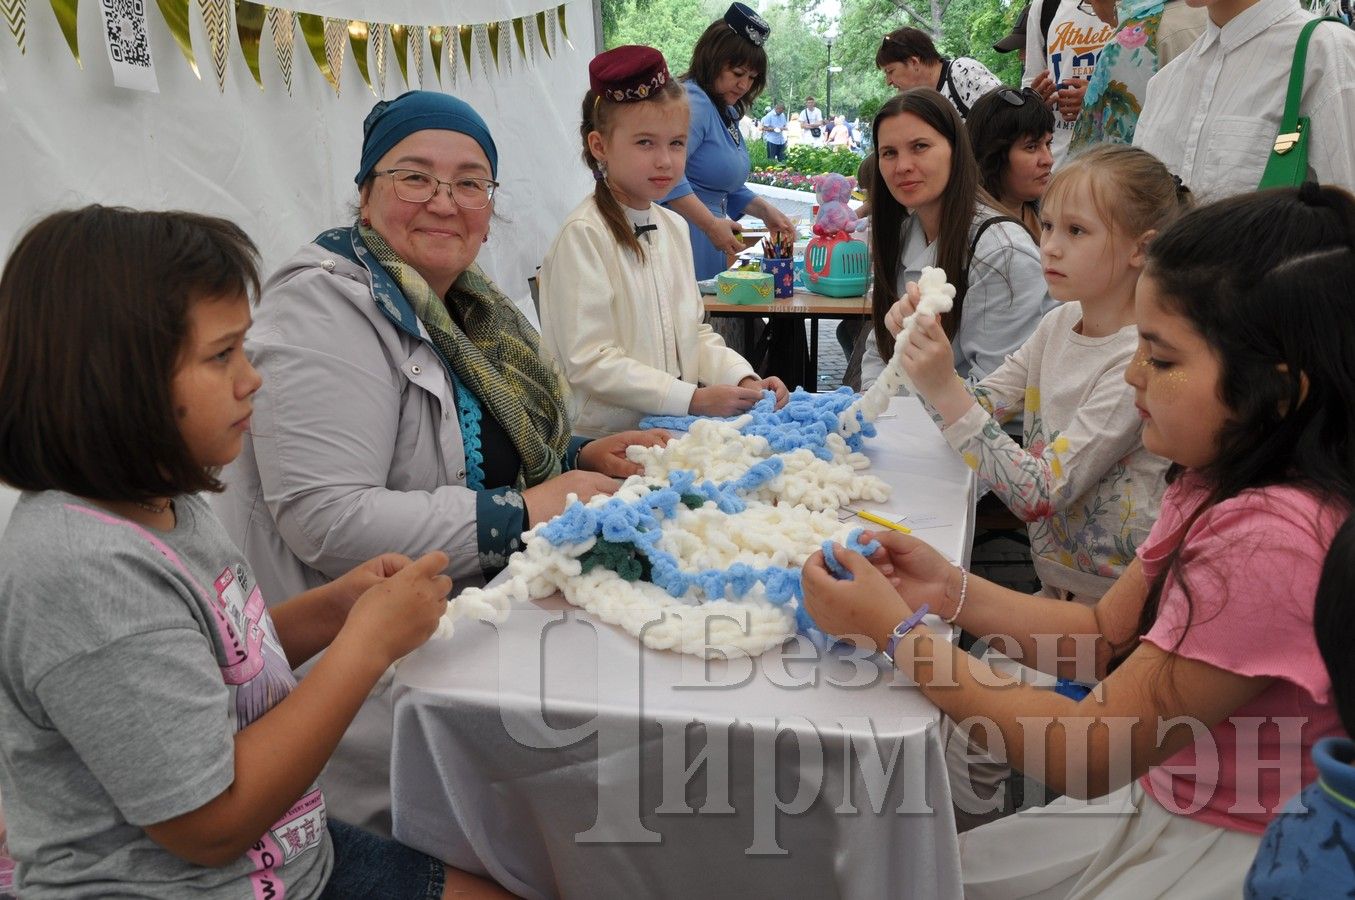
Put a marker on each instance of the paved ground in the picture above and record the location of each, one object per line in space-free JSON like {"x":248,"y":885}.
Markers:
{"x":832,"y":363}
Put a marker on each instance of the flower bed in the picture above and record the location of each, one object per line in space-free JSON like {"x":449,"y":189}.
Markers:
{"x":782,"y":178}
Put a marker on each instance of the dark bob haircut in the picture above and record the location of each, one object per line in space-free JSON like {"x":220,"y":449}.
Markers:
{"x":904,"y":44}
{"x":995,"y":124}
{"x":94,"y":307}
{"x":721,"y":47}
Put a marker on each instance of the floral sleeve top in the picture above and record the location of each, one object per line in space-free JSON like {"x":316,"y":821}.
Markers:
{"x":1084,"y":483}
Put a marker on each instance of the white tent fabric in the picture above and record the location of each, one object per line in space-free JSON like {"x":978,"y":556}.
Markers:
{"x":280,"y":166}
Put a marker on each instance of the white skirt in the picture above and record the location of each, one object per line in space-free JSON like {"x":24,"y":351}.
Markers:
{"x":1125,"y":845}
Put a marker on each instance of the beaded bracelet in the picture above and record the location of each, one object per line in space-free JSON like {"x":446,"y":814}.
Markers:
{"x":964,"y":591}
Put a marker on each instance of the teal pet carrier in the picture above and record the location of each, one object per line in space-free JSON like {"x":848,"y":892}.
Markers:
{"x":837,"y":266}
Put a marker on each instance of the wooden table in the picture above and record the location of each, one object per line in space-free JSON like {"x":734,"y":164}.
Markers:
{"x":805,"y":305}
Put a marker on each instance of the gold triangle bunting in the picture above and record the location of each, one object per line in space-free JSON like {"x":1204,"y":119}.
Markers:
{"x":492,"y":36}
{"x":312,"y":27}
{"x":465,"y":36}
{"x":400,"y":41}
{"x":282,"y":22}
{"x":541,"y":30}
{"x":249,"y":19}
{"x":16,"y":14}
{"x":65,"y":16}
{"x":175,"y":13}
{"x":489,"y":43}
{"x":358,"y":38}
{"x":437,"y":36}
{"x":216,"y":17}
{"x":564,"y":27}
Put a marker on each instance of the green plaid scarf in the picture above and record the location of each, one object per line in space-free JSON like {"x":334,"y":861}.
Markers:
{"x":497,"y":357}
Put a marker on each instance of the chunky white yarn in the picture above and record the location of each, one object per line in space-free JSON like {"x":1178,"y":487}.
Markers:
{"x":786,"y":520}
{"x":938,"y":296}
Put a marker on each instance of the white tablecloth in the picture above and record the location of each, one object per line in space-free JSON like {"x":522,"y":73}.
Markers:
{"x":562,"y":758}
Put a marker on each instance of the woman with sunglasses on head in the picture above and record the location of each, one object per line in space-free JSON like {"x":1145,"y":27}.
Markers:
{"x":1013,"y":133}
{"x":406,"y":404}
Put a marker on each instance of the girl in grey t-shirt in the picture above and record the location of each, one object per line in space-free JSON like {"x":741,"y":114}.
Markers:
{"x":153,"y":740}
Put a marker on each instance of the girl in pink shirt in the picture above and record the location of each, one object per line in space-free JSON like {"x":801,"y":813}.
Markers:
{"x":1211,"y":688}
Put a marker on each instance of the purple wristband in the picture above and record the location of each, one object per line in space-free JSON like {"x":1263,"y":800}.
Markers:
{"x":901,"y":629}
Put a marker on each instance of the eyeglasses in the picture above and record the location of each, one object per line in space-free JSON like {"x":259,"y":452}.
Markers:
{"x":1085,"y":7}
{"x":1018,"y":98}
{"x":414,"y":186}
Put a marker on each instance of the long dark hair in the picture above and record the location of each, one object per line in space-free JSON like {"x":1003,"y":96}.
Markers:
{"x":889,"y":217}
{"x":599,"y":114}
{"x":721,"y":47}
{"x":1265,"y":279}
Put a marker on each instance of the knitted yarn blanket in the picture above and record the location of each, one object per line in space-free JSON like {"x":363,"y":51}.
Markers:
{"x":701,"y":553}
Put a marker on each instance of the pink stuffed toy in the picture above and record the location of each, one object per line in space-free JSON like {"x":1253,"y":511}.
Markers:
{"x":835,"y":215}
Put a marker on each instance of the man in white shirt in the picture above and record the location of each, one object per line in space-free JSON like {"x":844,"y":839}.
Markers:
{"x":1212,"y":115}
{"x":811,"y":123}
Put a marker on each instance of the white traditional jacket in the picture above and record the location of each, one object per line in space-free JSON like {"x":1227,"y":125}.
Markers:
{"x":627,"y":333}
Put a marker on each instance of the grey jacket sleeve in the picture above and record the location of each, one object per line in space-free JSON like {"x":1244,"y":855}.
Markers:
{"x":1006,"y":299}
{"x":349,"y":433}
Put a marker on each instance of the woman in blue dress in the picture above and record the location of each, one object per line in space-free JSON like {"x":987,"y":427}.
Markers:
{"x":727,"y":73}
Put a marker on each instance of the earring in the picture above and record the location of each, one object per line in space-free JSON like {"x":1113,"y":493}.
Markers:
{"x":366,"y":222}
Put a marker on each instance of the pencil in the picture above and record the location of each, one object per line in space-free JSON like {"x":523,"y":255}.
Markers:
{"x":881,"y":520}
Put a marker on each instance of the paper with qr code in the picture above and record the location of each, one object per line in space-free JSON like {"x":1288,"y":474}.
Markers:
{"x":129,"y":49}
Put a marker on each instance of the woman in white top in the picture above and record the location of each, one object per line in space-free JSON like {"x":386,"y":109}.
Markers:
{"x":928,"y":210}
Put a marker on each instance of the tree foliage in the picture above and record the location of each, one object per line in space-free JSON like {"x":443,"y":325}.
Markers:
{"x":798,"y":50}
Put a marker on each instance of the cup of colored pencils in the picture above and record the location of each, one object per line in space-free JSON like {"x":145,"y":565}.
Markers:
{"x":778,"y":261}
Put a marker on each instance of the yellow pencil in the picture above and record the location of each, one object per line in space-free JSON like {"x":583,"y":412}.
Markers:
{"x":881,"y":520}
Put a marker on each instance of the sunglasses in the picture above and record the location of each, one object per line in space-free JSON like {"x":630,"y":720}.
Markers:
{"x":1018,"y":98}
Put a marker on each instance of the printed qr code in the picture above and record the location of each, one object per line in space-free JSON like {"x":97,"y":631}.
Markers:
{"x":125,"y":22}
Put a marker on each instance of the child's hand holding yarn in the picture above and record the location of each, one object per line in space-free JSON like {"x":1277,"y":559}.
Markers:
{"x":928,"y":358}
{"x":902,"y":308}
{"x":723,"y":400}
{"x":770,"y":383}
{"x":917,"y":571}
{"x":867,"y":606}
{"x":399,"y":613}
{"x":348,"y":587}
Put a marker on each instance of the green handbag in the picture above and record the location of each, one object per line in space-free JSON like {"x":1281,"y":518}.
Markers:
{"x":1288,"y":163}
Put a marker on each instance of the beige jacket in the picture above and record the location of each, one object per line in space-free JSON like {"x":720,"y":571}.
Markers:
{"x":628,"y":335}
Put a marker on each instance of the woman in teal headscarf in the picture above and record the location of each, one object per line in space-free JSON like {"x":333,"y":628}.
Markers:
{"x":406,"y":403}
